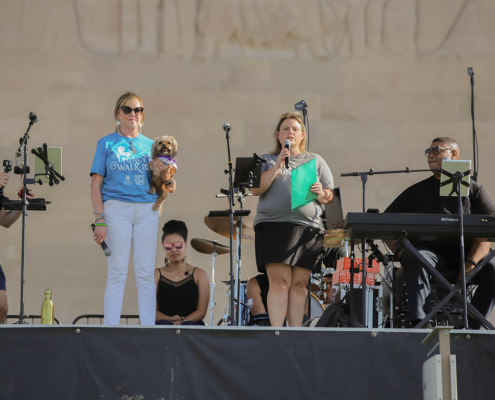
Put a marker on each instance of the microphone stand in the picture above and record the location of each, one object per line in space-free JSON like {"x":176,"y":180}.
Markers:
{"x":226,"y":128}
{"x":25,"y":182}
{"x":475,"y":138}
{"x":364,"y":179}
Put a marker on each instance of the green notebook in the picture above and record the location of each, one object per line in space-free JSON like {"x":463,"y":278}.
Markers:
{"x":302,"y":178}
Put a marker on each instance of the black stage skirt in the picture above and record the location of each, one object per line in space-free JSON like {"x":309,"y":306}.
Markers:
{"x":287,"y":243}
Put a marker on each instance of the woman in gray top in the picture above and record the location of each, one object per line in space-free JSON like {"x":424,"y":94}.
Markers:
{"x":289,"y":243}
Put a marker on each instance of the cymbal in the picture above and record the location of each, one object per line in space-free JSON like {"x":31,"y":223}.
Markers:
{"x":208,"y":247}
{"x":337,"y":238}
{"x":221,"y":226}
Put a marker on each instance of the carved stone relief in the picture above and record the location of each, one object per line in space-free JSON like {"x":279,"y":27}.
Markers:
{"x":319,"y":29}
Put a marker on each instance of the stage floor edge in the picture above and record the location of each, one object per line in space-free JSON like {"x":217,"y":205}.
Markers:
{"x":175,"y":362}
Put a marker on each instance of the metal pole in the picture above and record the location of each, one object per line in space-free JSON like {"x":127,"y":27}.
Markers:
{"x":235,"y":291}
{"x":463,"y":261}
{"x":364,"y":179}
{"x":23,"y":251}
{"x":212,"y":288}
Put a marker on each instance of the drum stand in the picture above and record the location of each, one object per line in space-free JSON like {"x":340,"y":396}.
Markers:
{"x":212,"y":287}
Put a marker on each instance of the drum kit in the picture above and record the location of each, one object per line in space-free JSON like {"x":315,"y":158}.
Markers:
{"x":221,"y":226}
{"x":321,"y":284}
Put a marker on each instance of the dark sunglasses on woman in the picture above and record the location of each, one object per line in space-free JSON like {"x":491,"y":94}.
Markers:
{"x":127,"y":110}
{"x":435,"y":150}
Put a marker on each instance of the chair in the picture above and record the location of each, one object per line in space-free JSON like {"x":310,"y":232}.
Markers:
{"x":101,"y":317}
{"x":32,"y":318}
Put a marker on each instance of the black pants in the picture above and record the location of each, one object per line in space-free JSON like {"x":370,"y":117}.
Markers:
{"x":446,"y":261}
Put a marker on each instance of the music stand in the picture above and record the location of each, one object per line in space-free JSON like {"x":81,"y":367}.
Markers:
{"x":455,"y":182}
{"x":36,"y":204}
{"x":248,"y":172}
{"x":247,"y":175}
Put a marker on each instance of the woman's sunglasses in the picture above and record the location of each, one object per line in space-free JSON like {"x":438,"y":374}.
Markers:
{"x":177,"y":245}
{"x":127,"y":110}
{"x":435,"y":150}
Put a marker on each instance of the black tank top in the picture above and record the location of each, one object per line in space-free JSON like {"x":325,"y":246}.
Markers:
{"x":177,"y":298}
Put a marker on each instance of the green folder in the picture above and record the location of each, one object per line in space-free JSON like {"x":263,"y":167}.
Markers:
{"x":302,"y":178}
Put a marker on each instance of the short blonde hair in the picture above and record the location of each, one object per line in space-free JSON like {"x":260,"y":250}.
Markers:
{"x":124,"y":99}
{"x":283,"y":117}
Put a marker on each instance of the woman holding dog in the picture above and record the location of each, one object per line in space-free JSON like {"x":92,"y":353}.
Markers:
{"x":122,"y":205}
{"x":288,"y":243}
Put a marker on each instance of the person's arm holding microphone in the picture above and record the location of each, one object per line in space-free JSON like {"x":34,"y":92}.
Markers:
{"x":267,"y":177}
{"x":100,"y":232}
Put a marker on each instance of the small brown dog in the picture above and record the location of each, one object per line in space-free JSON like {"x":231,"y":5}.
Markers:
{"x":164,"y":149}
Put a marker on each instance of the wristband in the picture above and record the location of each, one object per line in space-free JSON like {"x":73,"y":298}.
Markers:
{"x":472,"y":261}
{"x":101,"y":224}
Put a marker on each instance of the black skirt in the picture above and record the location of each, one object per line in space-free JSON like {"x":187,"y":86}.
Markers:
{"x":287,"y":243}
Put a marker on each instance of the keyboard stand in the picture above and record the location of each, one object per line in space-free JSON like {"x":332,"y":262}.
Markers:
{"x":404,"y":243}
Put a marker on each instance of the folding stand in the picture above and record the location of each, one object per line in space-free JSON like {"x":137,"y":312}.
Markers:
{"x":404,"y":243}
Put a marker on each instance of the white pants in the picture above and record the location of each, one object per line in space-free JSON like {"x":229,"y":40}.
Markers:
{"x":129,"y":224}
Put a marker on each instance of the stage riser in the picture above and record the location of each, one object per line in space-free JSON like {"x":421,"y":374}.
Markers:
{"x":229,"y":363}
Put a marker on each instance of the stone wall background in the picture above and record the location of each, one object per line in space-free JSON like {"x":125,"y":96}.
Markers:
{"x":381,"y":78}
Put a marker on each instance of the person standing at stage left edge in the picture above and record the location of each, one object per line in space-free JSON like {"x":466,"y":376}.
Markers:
{"x":288,"y":244}
{"x":122,"y":204}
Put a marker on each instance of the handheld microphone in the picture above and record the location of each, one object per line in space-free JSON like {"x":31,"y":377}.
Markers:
{"x":33,"y":118}
{"x":226,"y":127}
{"x":103,"y":245}
{"x":470,"y":71}
{"x":287,"y":159}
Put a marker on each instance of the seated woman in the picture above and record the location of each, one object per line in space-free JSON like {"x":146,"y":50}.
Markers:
{"x":182,"y":291}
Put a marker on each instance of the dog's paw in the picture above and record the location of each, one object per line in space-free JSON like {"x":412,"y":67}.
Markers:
{"x":152,"y":190}
{"x":156,"y":207}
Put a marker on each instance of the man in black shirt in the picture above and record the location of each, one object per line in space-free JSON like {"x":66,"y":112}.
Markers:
{"x":424,"y":197}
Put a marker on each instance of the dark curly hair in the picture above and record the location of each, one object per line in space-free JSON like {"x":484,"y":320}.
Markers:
{"x":174,"y":226}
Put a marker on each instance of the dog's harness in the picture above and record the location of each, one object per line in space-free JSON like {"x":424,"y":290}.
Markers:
{"x":167,"y":160}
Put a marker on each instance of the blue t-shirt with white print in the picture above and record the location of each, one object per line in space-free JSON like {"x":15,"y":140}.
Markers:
{"x":126,"y":175}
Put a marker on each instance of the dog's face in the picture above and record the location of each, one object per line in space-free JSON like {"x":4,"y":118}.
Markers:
{"x":164,"y":146}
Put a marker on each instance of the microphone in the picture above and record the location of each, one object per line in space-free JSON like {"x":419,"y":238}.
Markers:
{"x":103,"y":245}
{"x":287,"y":159}
{"x":301,"y":106}
{"x":226,"y":127}
{"x":106,"y":250}
{"x":470,"y":72}
{"x":33,"y":118}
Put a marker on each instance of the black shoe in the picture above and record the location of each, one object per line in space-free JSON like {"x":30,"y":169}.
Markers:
{"x":415,"y":322}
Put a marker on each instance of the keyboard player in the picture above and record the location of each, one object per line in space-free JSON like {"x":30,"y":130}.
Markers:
{"x":424,"y":197}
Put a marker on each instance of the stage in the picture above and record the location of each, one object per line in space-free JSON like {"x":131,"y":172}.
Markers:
{"x":171,"y":363}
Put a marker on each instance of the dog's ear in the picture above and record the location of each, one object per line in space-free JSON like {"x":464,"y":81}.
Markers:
{"x":154,"y":150}
{"x":175,"y":147}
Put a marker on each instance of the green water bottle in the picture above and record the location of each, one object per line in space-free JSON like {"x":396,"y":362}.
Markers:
{"x":47,"y":309}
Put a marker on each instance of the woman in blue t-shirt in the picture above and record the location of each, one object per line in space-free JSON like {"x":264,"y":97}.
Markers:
{"x":122,"y":204}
